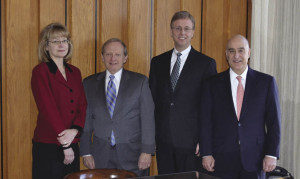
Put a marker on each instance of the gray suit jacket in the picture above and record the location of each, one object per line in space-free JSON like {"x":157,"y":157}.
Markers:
{"x":132,"y":122}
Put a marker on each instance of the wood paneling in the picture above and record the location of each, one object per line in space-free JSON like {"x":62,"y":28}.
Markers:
{"x":163,"y":12}
{"x":194,"y":7}
{"x":221,"y":20}
{"x":51,"y":11}
{"x":112,"y":24}
{"x":82,"y":27}
{"x":139,"y":21}
{"x":19,"y":45}
{"x":143,"y":25}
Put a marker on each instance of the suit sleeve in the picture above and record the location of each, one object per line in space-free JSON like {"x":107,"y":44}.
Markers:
{"x":273,"y":120}
{"x":45,"y":100}
{"x":210,"y":69}
{"x":78,"y":123}
{"x":147,"y":119}
{"x":152,"y":79}
{"x":86,"y":135}
{"x":205,"y":124}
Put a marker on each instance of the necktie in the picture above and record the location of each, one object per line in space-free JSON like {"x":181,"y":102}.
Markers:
{"x":175,"y":72}
{"x":111,"y":101}
{"x":239,"y":97}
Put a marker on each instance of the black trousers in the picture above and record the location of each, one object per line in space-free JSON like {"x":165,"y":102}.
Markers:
{"x":171,"y":160}
{"x":47,"y":162}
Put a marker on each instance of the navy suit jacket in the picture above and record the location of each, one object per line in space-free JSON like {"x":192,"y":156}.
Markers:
{"x":255,"y":135}
{"x":177,"y":113}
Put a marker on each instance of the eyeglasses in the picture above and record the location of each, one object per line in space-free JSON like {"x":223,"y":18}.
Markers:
{"x":179,"y":29}
{"x":58,"y":42}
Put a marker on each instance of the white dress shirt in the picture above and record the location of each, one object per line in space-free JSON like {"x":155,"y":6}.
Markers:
{"x":183,"y":57}
{"x":116,"y":80}
{"x":234,"y":83}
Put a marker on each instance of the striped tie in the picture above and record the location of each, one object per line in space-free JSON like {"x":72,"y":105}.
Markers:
{"x":111,"y":101}
{"x":175,"y":72}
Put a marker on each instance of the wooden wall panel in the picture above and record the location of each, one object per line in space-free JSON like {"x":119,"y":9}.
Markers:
{"x":18,"y":39}
{"x":139,"y":33}
{"x":82,"y":28}
{"x":163,"y":12}
{"x":221,"y":20}
{"x":51,"y":11}
{"x":112,"y":23}
{"x":194,"y":7}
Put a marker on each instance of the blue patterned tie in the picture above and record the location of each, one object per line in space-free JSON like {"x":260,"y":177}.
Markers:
{"x":111,"y":101}
{"x":175,"y":71}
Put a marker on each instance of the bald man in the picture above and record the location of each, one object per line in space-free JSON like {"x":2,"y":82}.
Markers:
{"x":240,"y":119}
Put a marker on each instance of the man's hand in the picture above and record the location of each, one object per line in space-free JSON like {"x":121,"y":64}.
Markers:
{"x":197,"y":151}
{"x":89,"y":162}
{"x":208,"y":163}
{"x":269,"y":164}
{"x":67,"y":136}
{"x":69,"y":156}
{"x":144,"y":161}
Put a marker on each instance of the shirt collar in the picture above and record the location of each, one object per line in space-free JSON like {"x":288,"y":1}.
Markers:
{"x":53,"y":68}
{"x":184,"y":52}
{"x":117,"y":75}
{"x":233,"y":75}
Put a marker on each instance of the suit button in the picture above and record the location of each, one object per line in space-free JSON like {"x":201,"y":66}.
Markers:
{"x":71,"y":100}
{"x":172,"y":104}
{"x":71,"y":90}
{"x":72,"y":111}
{"x":239,"y":124}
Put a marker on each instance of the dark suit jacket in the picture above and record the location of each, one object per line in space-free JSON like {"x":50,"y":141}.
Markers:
{"x":132,"y":122}
{"x":61,"y":103}
{"x":176,"y":113}
{"x":221,"y":132}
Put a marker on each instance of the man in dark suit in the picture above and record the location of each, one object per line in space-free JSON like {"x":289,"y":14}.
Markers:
{"x":176,"y":78}
{"x":240,"y":120}
{"x":119,"y":128}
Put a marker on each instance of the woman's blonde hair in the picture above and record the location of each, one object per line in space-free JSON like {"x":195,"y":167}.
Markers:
{"x":53,"y":30}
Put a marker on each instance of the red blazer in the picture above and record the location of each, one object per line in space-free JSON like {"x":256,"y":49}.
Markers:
{"x":61,"y":104}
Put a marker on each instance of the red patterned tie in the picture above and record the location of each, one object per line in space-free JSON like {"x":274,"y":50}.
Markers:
{"x":239,"y":97}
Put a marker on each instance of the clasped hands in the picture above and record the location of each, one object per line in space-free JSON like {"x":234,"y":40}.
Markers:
{"x":65,"y":138}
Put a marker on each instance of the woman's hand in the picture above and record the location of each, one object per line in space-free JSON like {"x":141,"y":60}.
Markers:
{"x":66,"y":137}
{"x":69,"y":156}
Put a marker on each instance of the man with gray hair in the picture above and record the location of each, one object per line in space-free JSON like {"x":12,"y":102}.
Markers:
{"x":119,"y":128}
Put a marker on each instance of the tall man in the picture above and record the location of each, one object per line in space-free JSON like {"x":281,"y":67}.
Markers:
{"x":119,"y":128}
{"x":176,"y":78}
{"x":240,"y":128}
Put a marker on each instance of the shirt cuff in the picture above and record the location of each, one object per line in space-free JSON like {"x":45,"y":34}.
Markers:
{"x":87,"y":155}
{"x":271,"y":157}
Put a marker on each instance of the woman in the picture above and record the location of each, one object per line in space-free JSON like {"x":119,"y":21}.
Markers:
{"x":60,"y":99}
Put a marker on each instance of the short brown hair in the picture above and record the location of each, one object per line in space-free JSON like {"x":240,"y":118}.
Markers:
{"x":114,"y":40}
{"x":182,"y":15}
{"x":53,"y":30}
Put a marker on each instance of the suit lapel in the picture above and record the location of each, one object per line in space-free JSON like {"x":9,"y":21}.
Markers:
{"x":101,"y":94}
{"x":166,"y":68}
{"x":227,"y":88}
{"x":122,"y":89}
{"x":250,"y":84}
{"x":188,"y":64}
